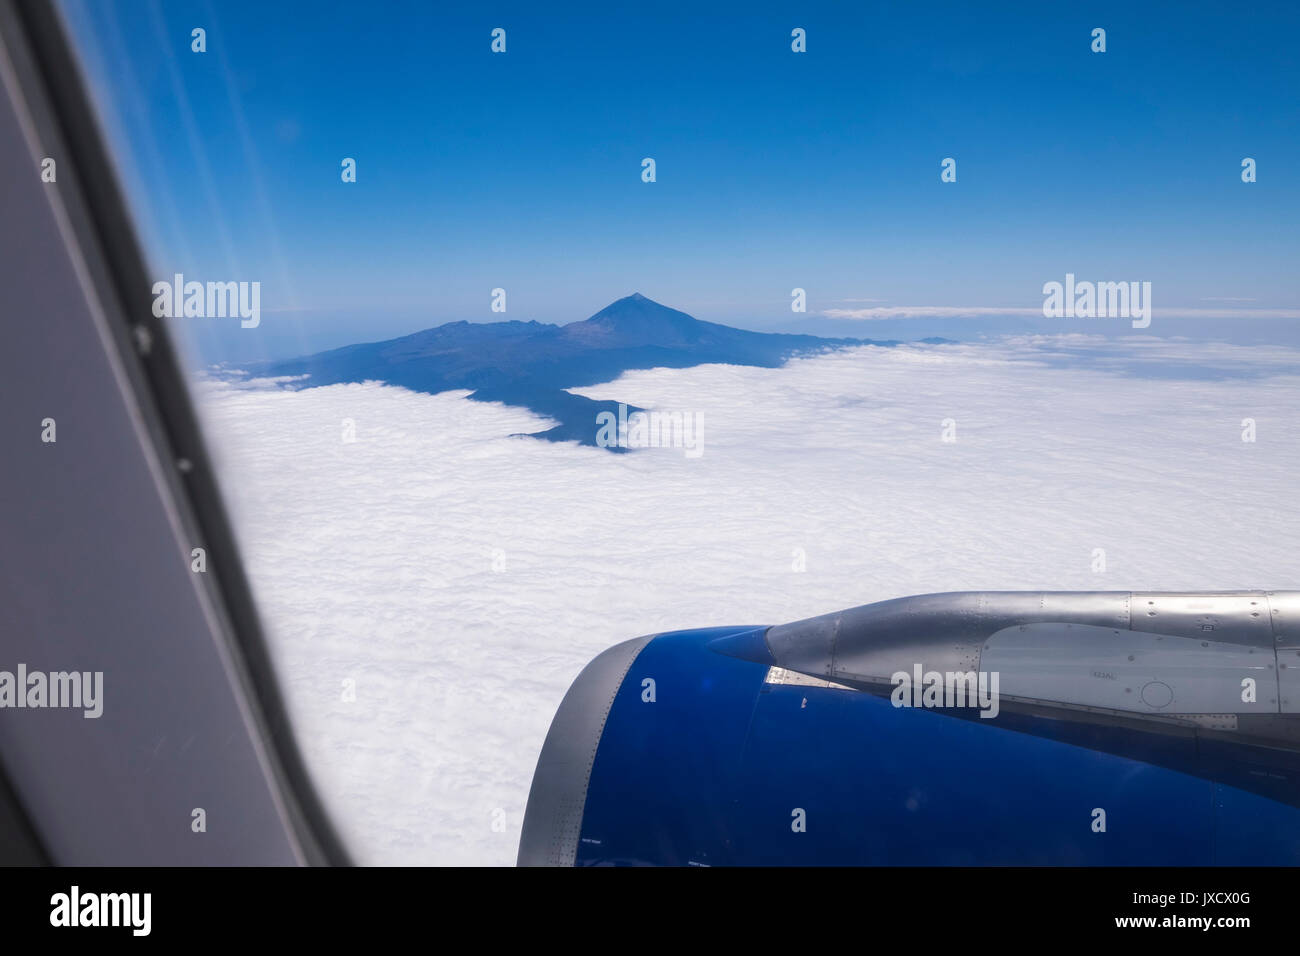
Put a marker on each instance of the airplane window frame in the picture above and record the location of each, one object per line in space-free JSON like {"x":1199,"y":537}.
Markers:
{"x":49,"y":78}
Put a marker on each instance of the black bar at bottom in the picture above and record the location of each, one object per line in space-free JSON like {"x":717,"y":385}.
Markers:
{"x":333,"y":907}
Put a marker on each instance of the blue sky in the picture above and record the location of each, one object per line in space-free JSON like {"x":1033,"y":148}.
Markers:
{"x":774,"y":169}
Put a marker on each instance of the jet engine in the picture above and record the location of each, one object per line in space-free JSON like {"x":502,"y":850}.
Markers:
{"x":973,"y":728}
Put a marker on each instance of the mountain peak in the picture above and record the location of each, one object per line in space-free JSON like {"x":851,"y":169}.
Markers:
{"x":530,"y":365}
{"x":636,"y":320}
{"x":635,"y":299}
{"x":638,"y":306}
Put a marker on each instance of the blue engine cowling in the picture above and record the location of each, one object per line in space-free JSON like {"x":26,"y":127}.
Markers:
{"x":700,"y":748}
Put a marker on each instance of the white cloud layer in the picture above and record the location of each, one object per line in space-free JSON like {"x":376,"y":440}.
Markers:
{"x":881,"y":312}
{"x":373,"y":560}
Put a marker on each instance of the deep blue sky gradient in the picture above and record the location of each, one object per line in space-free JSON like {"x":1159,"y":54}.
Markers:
{"x":775,"y":169}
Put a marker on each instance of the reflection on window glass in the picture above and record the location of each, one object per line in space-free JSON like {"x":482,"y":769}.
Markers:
{"x":519,"y":336}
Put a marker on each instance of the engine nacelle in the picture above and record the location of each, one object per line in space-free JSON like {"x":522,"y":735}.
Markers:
{"x":981,"y":728}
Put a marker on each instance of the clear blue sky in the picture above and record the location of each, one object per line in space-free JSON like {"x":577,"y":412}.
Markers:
{"x":775,"y":169}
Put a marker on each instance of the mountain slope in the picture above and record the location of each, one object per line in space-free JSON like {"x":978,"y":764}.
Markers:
{"x":528,"y":364}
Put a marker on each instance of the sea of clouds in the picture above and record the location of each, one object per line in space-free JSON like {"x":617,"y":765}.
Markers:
{"x":460,"y":577}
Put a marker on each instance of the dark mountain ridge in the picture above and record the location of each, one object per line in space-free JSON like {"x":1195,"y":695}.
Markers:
{"x":529,"y":364}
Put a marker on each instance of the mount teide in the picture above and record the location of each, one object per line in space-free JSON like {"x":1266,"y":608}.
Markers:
{"x":529,"y":365}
